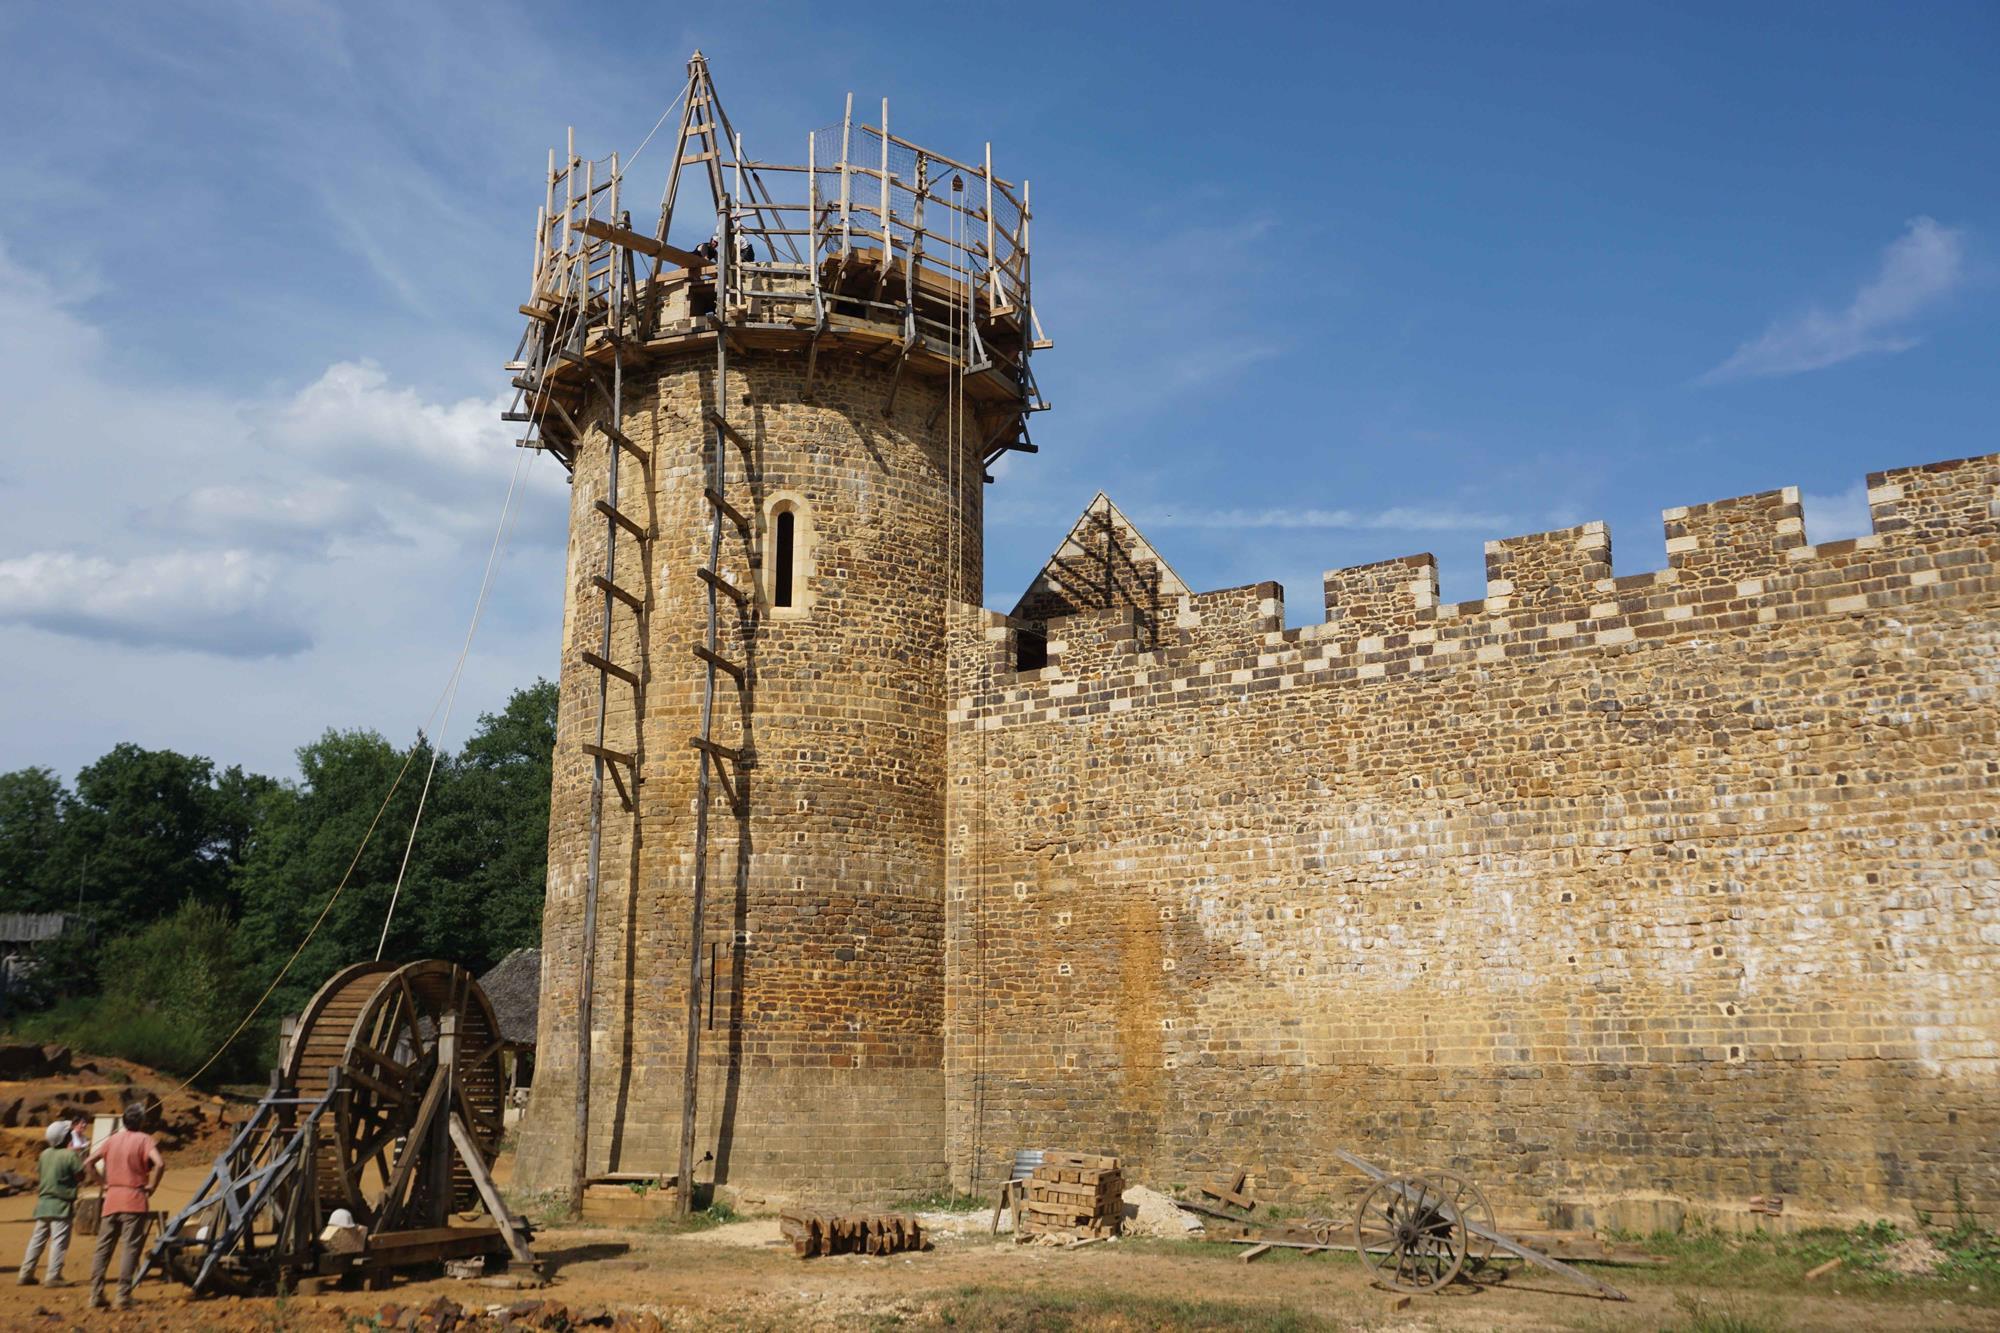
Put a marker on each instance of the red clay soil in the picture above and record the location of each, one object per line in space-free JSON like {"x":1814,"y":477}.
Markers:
{"x":192,"y":1126}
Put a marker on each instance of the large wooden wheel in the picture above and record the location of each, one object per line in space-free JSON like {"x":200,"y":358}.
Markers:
{"x":380,"y":1026}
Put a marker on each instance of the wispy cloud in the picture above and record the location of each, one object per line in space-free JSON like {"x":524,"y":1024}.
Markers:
{"x":298,"y":519}
{"x":1919,"y":269}
{"x":202,"y":533}
{"x":1401,"y":518}
{"x":218,"y":602}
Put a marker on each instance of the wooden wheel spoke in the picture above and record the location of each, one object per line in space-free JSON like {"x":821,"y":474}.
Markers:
{"x":376,"y":1028}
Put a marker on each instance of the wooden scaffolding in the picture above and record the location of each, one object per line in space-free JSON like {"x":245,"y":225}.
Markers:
{"x":874,"y":247}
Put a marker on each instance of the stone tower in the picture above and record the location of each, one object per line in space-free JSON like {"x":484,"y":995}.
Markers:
{"x":817,"y":477}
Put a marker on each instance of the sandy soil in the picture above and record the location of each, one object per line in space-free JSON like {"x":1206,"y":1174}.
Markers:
{"x":741,"y":1276}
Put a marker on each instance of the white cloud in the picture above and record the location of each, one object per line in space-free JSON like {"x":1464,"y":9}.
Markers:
{"x":265,"y":513}
{"x":1401,"y":518}
{"x":353,"y":416}
{"x":190,"y":536}
{"x":1919,"y":269}
{"x":219,"y":602}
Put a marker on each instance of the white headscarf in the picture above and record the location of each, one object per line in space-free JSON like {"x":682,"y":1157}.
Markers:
{"x":57,"y":1133}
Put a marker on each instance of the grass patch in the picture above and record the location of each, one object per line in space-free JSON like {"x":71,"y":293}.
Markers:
{"x":1699,"y":1314}
{"x":701,"y":1219}
{"x":1871,"y":1256}
{"x":544,"y":1209}
{"x":1059,"y":1311}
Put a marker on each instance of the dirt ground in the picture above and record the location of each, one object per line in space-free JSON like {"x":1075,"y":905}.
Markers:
{"x":193,"y":1127}
{"x":739,"y":1276}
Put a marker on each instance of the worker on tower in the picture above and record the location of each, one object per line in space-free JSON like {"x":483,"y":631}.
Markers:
{"x":55,"y":1206}
{"x":130,"y":1165}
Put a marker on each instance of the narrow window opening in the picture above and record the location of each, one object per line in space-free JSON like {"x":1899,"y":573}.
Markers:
{"x":781,"y":578}
{"x":1031,"y":650}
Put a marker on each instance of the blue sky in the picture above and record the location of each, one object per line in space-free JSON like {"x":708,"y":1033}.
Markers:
{"x":1327,"y":287}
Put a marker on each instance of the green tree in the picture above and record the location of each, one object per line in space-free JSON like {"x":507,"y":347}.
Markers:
{"x":305,"y":841}
{"x":173,"y":993}
{"x":148,"y":830}
{"x":481,"y":863}
{"x":31,"y":806}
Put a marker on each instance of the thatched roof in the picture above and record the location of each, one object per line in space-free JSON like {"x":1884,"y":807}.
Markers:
{"x":515,"y":988}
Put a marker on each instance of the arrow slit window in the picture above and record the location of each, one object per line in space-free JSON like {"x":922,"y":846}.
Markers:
{"x":787,"y":560}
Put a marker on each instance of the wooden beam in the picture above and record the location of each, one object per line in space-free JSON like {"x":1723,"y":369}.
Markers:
{"x":624,"y":796}
{"x":718,"y":660}
{"x":611,"y":756}
{"x":723,"y":586}
{"x":380,"y":1088}
{"x":727,"y":510}
{"x":624,"y":441}
{"x":606,"y":586}
{"x":413,"y":1146}
{"x":721,"y":423}
{"x":616,"y":516}
{"x":610,"y":668}
{"x":640,"y":242}
{"x":475,"y":1166}
{"x":717,"y":751}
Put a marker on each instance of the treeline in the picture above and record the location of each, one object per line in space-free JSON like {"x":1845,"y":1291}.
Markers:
{"x":194,"y":884}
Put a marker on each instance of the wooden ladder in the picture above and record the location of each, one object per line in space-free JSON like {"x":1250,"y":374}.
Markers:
{"x":717,"y":762}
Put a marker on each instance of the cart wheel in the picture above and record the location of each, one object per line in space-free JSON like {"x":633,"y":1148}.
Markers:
{"x":1409,"y":1236}
{"x":1465,"y":1199}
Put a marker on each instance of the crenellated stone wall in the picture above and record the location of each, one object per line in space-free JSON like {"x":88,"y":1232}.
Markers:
{"x":1682,"y":884}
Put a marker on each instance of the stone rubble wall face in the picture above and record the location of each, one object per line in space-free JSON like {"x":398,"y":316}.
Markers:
{"x":1678,"y":883}
{"x":822,"y":1052}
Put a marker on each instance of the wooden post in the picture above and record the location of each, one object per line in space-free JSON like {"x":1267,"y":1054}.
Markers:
{"x":1027,"y":298}
{"x":725,"y":262}
{"x":992,"y":254}
{"x":888,"y":243}
{"x":489,"y":1194}
{"x":439,"y":1163}
{"x":846,"y":130}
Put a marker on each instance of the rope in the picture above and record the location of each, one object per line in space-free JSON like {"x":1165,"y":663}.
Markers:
{"x":368,"y":835}
{"x":656,"y":128}
{"x":446,"y":699}
{"x":451,"y":689}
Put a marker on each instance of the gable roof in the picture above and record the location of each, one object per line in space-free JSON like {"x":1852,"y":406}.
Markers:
{"x":31,"y":927}
{"x":1104,"y":563}
{"x":514,"y":986}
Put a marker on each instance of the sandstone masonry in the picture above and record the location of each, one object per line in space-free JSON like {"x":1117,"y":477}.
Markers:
{"x":1677,"y":884}
{"x":823,"y":1050}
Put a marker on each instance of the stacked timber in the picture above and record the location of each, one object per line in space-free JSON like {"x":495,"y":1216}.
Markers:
{"x":1074,"y":1195}
{"x":852,"y":1233}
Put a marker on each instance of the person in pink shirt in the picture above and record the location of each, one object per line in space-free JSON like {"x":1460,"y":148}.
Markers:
{"x":130,"y":1165}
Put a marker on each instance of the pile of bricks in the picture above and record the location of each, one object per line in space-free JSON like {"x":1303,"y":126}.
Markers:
{"x":1077,"y":1195}
{"x":854,"y":1233}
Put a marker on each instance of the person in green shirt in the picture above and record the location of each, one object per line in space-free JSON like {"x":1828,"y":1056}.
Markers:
{"x":55,"y":1206}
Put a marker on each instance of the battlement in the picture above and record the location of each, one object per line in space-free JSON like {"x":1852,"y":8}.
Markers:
{"x":1733,"y":564}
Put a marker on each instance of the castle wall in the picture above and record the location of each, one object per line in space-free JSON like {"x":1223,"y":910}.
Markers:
{"x":1681,"y":883}
{"x":823,"y":1040}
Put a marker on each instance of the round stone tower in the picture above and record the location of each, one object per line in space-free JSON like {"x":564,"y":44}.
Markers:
{"x":854,"y":418}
